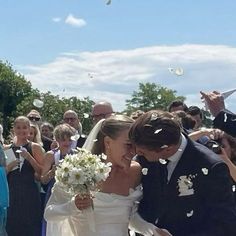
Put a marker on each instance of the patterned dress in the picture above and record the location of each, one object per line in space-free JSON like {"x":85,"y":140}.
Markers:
{"x":24,"y":214}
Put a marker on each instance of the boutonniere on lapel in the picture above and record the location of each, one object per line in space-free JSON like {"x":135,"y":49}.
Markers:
{"x":185,"y":185}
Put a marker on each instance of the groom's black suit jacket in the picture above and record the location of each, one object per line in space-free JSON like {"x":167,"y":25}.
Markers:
{"x":209,"y":211}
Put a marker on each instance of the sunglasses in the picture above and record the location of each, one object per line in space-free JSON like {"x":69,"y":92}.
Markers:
{"x":32,"y":118}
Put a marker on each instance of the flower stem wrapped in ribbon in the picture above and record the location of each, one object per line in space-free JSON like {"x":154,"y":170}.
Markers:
{"x":80,"y":173}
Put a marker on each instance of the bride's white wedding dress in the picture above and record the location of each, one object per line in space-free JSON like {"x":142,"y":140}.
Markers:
{"x":112,"y":213}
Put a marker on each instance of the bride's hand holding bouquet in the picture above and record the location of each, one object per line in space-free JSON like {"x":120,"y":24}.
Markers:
{"x":80,"y":174}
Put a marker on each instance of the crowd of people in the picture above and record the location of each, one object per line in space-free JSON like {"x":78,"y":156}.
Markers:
{"x":169,"y":174}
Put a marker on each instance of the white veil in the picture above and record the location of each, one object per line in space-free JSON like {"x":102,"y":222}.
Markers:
{"x":91,"y":139}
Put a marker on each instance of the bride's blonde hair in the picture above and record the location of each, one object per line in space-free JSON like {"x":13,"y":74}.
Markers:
{"x":110,"y":127}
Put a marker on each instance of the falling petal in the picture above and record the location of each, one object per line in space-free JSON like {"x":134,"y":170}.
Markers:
{"x":38,"y":103}
{"x":154,"y":116}
{"x":145,"y":171}
{"x":159,"y":96}
{"x":171,"y":70}
{"x":83,"y":136}
{"x":75,"y":137}
{"x":205,"y":171}
{"x":86,"y":115}
{"x":225,"y":117}
{"x":108,"y":2}
{"x":156,"y":221}
{"x":164,"y":146}
{"x":180,"y":149}
{"x":162,"y":161}
{"x":18,"y":151}
{"x":95,"y":140}
{"x":179,"y":71}
{"x":233,"y":188}
{"x":157,"y":131}
{"x":190,"y":213}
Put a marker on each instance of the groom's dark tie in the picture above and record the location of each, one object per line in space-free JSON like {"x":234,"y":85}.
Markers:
{"x":164,"y":172}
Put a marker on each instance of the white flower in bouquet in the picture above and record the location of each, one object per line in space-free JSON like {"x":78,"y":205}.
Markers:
{"x":82,"y":172}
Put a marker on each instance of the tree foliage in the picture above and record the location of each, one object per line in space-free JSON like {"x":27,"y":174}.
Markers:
{"x":17,"y":96}
{"x":151,"y":96}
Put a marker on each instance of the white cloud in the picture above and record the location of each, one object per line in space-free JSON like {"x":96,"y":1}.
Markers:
{"x":114,"y":75}
{"x":77,"y":22}
{"x":56,"y":19}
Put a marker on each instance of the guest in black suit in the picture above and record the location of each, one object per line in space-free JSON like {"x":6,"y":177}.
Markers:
{"x":224,"y":119}
{"x":187,"y":188}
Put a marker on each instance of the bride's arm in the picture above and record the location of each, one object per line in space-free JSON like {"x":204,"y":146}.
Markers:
{"x":59,"y":206}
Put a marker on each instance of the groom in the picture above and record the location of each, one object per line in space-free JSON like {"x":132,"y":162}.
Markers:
{"x":186,"y":187}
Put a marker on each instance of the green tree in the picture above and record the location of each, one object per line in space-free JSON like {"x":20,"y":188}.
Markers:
{"x":151,"y":96}
{"x":54,"y":108}
{"x":13,"y":90}
{"x":17,"y":96}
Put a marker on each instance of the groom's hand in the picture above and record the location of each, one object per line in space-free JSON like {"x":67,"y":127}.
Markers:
{"x":163,"y":232}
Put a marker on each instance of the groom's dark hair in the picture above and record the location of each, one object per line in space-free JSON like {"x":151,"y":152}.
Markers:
{"x":155,"y":129}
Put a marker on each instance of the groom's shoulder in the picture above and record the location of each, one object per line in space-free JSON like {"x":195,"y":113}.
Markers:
{"x":202,"y":154}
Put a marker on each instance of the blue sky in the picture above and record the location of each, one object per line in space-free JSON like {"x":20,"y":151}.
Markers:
{"x":58,"y":44}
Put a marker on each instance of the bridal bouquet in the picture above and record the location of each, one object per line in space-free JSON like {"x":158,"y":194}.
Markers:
{"x":80,"y":173}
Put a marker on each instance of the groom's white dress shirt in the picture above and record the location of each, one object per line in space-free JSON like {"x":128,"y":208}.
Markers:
{"x":174,"y":159}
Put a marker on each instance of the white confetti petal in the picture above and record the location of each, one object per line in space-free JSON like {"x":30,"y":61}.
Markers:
{"x":18,"y":151}
{"x":233,"y":188}
{"x":145,"y":171}
{"x":38,"y":103}
{"x":179,"y":71}
{"x":75,"y":137}
{"x":86,"y":115}
{"x":189,"y":214}
{"x":83,"y":136}
{"x":162,"y":161}
{"x":156,"y":221}
{"x":159,"y":96}
{"x":95,"y":140}
{"x":180,"y":149}
{"x":225,"y":117}
{"x":171,"y":70}
{"x":164,"y":146}
{"x":205,"y":171}
{"x":154,"y":116}
{"x":157,"y":131}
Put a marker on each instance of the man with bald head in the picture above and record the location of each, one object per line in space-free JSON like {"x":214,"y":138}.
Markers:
{"x":101,"y":110}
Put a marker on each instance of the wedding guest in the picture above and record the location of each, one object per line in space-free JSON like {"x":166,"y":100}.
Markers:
{"x":4,"y":195}
{"x":187,"y":189}
{"x":177,"y":105}
{"x":197,"y":115}
{"x":101,"y":110}
{"x":24,"y":212}
{"x":113,"y":204}
{"x":224,"y":119}
{"x":46,"y":130}
{"x":71,"y":117}
{"x":35,"y":135}
{"x":62,"y":134}
{"x":34,"y":116}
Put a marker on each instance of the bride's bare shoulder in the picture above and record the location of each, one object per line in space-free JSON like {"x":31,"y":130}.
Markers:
{"x":136,"y":173}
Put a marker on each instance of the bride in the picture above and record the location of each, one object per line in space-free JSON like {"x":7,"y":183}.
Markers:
{"x":115,"y":205}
